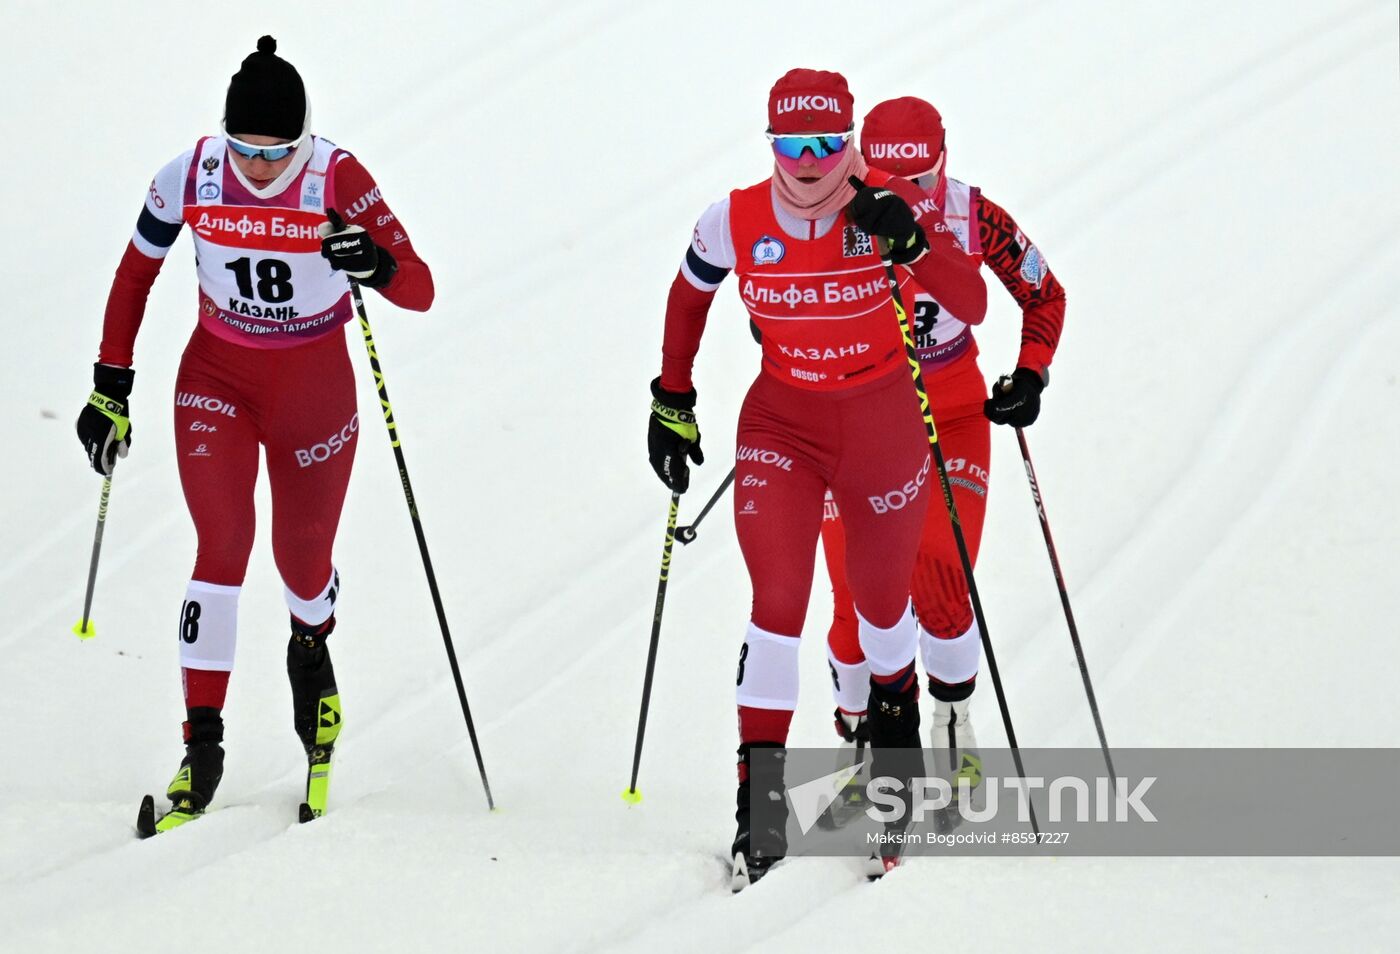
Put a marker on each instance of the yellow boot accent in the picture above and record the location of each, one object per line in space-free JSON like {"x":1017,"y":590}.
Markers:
{"x":971,"y":770}
{"x":179,"y":784}
{"x":328,"y":720}
{"x":318,"y":782}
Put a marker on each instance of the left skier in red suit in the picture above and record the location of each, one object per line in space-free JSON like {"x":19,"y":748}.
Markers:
{"x":267,"y":365}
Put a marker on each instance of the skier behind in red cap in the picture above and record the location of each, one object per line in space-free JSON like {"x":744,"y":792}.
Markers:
{"x":905,"y":137}
{"x":266,"y":365}
{"x":832,"y":407}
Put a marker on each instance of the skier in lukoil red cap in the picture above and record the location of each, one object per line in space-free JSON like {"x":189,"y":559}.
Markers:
{"x":832,"y":408}
{"x":905,"y":137}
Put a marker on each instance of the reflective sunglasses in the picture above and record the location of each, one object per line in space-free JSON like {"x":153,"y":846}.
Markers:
{"x":268,"y":153}
{"x":792,"y":146}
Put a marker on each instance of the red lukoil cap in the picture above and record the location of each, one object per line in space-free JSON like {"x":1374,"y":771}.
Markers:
{"x":902,"y":136}
{"x":810,"y":101}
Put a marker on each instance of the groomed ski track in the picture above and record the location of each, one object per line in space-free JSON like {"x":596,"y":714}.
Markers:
{"x":1214,"y":184}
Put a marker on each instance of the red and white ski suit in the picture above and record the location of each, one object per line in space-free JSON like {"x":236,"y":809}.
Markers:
{"x":949,"y":641}
{"x":832,"y":408}
{"x":266,"y":365}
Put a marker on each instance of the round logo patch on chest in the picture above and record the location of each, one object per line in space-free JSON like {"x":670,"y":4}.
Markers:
{"x":768,"y":251}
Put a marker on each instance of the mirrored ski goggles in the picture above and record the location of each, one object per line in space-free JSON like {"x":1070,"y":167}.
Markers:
{"x":267,"y":153}
{"x":826,"y":144}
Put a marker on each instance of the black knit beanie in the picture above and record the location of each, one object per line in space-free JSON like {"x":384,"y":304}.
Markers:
{"x":266,"y":96}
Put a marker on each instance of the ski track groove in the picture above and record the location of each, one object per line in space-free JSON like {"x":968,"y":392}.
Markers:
{"x":751,"y":924}
{"x":73,"y":534}
{"x":256,"y":800}
{"x":1238,"y":119}
{"x":438,"y":692}
{"x":1280,"y":88}
{"x":429,"y":693}
{"x":223,"y":824}
{"x":1348,"y":327}
{"x":1131,"y":548}
{"x":633,"y":627}
{"x":1325,"y":390}
{"x":1156,"y":137}
{"x":63,"y":607}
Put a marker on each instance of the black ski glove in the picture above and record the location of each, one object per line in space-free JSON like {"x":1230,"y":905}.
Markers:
{"x":882,"y":212}
{"x":104,"y":425}
{"x":350,"y":249}
{"x":672,"y":436}
{"x":1015,"y":398}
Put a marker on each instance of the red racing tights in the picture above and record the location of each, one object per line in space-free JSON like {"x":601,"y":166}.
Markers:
{"x":949,"y":641}
{"x":299,"y":405}
{"x":868,"y":445}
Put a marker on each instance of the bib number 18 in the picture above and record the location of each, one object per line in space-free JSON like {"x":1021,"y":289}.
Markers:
{"x":274,"y":277}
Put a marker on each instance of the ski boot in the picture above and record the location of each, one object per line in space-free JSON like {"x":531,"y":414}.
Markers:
{"x":851,"y":801}
{"x":193,"y":787}
{"x":757,"y":848}
{"x":896,"y":753}
{"x":316,"y":712}
{"x":956,"y":758}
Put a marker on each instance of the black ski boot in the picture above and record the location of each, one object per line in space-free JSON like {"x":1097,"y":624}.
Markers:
{"x":893,"y":723}
{"x":893,"y":718}
{"x":316,"y":710}
{"x":193,"y":787}
{"x":758,"y":847}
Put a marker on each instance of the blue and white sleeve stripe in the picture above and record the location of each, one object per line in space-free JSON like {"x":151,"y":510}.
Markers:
{"x":163,"y":214}
{"x":700,"y":273}
{"x":711,"y":253}
{"x":153,"y":237}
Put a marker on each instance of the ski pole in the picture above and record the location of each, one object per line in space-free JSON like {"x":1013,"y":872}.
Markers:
{"x":687,"y":533}
{"x":631,"y":795}
{"x":85,"y":629}
{"x":936,"y":450}
{"x":1064,"y":601}
{"x":417,"y":522}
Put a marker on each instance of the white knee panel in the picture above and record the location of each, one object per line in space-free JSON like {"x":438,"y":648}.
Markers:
{"x":319,"y":608}
{"x":208,"y":627}
{"x":952,"y":660}
{"x":850,"y":683}
{"x":767,"y":670}
{"x":887,"y":651}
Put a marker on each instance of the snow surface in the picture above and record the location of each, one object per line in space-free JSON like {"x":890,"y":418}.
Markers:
{"x":1216,"y":186}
